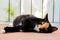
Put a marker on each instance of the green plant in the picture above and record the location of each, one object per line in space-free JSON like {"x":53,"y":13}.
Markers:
{"x":11,"y":11}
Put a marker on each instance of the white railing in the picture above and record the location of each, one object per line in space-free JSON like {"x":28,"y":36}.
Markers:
{"x":9,"y":9}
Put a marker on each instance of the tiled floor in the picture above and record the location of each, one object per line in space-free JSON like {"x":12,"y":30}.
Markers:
{"x":29,"y":35}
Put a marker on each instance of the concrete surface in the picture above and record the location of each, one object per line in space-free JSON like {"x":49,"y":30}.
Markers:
{"x":29,"y":35}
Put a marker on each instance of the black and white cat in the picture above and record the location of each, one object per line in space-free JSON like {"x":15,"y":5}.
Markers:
{"x":30,"y":23}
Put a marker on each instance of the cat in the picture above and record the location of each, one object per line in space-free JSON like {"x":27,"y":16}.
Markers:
{"x":30,"y":23}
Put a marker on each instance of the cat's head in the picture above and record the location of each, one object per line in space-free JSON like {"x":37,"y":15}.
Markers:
{"x":45,"y":21}
{"x":46,"y":24}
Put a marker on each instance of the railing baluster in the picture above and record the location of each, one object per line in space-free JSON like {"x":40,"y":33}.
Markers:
{"x":20,"y":7}
{"x":9,"y":11}
{"x":53,"y":11}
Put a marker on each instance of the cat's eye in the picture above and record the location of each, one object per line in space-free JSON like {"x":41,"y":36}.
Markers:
{"x":43,"y":22}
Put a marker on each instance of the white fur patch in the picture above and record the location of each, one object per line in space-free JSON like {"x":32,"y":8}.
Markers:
{"x":20,"y":23}
{"x":2,"y":31}
{"x":21,"y":30}
{"x":36,"y":28}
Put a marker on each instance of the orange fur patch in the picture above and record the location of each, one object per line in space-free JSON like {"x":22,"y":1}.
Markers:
{"x":45,"y":25}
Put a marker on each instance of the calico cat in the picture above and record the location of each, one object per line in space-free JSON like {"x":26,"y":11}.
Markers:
{"x":30,"y":23}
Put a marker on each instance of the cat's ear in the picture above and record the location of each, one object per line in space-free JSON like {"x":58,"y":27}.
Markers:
{"x":46,"y":17}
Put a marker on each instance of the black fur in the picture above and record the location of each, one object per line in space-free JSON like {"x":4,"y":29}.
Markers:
{"x":12,"y":29}
{"x":28,"y":24}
